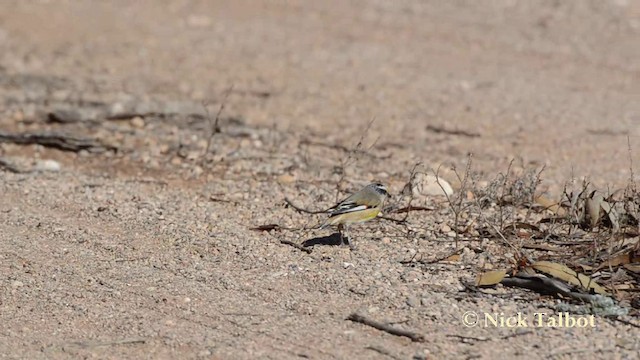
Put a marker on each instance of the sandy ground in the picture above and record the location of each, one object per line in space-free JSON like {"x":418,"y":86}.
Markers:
{"x":147,"y":252}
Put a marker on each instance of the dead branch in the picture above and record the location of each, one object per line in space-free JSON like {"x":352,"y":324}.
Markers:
{"x":214,"y":125}
{"x":409,"y":208}
{"x":89,"y":344}
{"x":57,"y":141}
{"x":412,"y":177}
{"x":456,"y":207}
{"x":429,"y":262}
{"x":442,"y":130}
{"x":520,"y":333}
{"x":468,"y":338}
{"x":215,"y":199}
{"x":632,"y":183}
{"x":626,"y":322}
{"x":386,"y":328}
{"x":297,"y":246}
{"x":350,"y":156}
{"x":5,"y":165}
{"x":546,"y":285}
{"x":303,"y":210}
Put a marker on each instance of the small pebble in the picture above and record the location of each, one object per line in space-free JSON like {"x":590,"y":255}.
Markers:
{"x":137,"y":122}
{"x":47,"y":165}
{"x":204,"y":353}
{"x":286,"y":179}
{"x":413,"y":301}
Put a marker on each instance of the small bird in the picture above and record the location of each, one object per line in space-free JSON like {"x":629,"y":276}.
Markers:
{"x":362,"y":206}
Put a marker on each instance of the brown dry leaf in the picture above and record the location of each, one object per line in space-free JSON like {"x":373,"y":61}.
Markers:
{"x":490,"y":278}
{"x":521,"y":225}
{"x":551,"y":205}
{"x":621,"y":259}
{"x":562,"y":272}
{"x":584,"y":267}
{"x":544,"y":247}
{"x":454,"y":258}
{"x":623,"y":287}
{"x":633,"y":267}
{"x":617,"y":196}
{"x":470,"y":195}
{"x":286,"y":179}
{"x":267,"y":227}
{"x":592,"y":207}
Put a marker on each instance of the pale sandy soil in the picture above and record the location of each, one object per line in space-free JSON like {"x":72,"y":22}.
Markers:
{"x":147,"y":253}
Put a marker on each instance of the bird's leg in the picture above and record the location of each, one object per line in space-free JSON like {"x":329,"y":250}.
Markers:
{"x":352,"y":245}
{"x":340,"y":227}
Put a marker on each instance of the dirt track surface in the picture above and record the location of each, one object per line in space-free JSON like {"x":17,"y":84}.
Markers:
{"x":147,"y":252}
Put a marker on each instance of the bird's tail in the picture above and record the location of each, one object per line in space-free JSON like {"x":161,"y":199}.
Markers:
{"x":323,"y":225}
{"x":328,"y":222}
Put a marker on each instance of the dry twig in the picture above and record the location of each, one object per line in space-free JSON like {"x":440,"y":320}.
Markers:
{"x":303,"y":210}
{"x":350,"y":156}
{"x":442,"y":130}
{"x":214,"y":125}
{"x":90,"y":344}
{"x":457,"y":207}
{"x":58,"y":141}
{"x":436,"y":260}
{"x":297,"y":246}
{"x":6,"y":165}
{"x":386,"y":328}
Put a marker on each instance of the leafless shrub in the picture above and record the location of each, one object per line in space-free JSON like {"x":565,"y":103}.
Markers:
{"x":214,"y":123}
{"x":457,"y":202}
{"x":352,"y":157}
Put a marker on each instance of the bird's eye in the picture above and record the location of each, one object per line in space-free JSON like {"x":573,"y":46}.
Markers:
{"x":382,"y":189}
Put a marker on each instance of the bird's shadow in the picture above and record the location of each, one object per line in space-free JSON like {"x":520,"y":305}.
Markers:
{"x":331,"y":240}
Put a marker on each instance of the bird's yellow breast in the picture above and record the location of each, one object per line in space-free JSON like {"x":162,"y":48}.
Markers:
{"x":354,"y":217}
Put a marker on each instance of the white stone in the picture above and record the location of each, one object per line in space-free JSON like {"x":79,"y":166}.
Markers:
{"x":427,"y":184}
{"x":47,"y":165}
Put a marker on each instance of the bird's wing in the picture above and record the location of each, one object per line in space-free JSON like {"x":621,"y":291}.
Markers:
{"x":347,"y":207}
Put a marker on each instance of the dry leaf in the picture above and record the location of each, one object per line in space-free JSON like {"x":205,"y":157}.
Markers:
{"x":562,"y":272}
{"x":545,"y":247}
{"x":585,"y":267}
{"x":551,"y":205}
{"x":521,"y":225}
{"x":267,"y":227}
{"x":622,"y":259}
{"x":623,"y":287}
{"x":470,"y":195}
{"x":454,"y":258}
{"x":611,"y":214}
{"x":490,"y":278}
{"x":617,"y":196}
{"x":633,"y":267}
{"x":592,"y":206}
{"x":286,"y":179}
